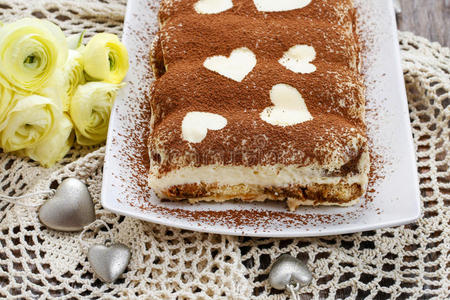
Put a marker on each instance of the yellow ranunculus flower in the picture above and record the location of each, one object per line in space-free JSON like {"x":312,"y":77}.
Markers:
{"x":30,"y":52}
{"x":28,"y":122}
{"x":55,"y":145}
{"x":64,"y":82}
{"x":105,"y":58}
{"x":6,"y":99}
{"x":90,"y":109}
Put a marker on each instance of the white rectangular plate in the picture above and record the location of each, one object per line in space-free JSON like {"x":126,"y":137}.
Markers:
{"x":393,"y":196}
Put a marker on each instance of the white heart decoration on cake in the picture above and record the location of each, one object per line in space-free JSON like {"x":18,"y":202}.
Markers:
{"x":298,"y":59}
{"x":196,"y":124}
{"x":280,"y":5}
{"x":212,"y":6}
{"x":289,"y":107}
{"x":240,"y":62}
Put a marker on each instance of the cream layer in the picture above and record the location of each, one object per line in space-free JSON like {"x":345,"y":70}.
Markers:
{"x":269,"y":176}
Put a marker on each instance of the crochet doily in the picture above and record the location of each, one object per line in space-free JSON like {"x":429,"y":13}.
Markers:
{"x":168,"y":263}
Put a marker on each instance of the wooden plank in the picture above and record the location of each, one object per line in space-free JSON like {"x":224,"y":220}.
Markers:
{"x":427,"y":18}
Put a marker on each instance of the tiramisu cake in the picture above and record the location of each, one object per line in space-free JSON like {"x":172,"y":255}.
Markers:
{"x":257,"y":100}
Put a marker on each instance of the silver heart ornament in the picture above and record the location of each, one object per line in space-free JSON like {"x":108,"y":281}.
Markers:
{"x":109,"y":262}
{"x":70,"y":209}
{"x":288,"y":270}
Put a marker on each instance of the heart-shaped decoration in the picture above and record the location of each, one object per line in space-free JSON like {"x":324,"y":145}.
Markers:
{"x":109,"y":262}
{"x":298,"y":59}
{"x":196,"y":124}
{"x":280,"y":5}
{"x":70,"y":209}
{"x":212,"y":6}
{"x":289,"y":270}
{"x":289,"y":107}
{"x":236,"y":67}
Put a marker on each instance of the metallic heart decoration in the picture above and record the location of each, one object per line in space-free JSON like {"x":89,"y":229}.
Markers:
{"x":109,"y":262}
{"x":289,"y":270}
{"x":70,"y":209}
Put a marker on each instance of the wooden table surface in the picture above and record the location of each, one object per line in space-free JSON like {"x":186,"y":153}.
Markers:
{"x":427,"y":18}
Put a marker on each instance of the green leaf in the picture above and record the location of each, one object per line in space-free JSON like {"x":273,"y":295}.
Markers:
{"x":75,"y":40}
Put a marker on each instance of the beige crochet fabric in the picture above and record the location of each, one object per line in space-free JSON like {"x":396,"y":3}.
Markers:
{"x":167,"y":263}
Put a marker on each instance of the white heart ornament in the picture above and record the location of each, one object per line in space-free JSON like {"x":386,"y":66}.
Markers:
{"x":212,"y":6}
{"x":288,"y":270}
{"x":280,"y":5}
{"x":289,"y":107}
{"x":109,"y":262}
{"x":70,"y":209}
{"x":298,"y":59}
{"x":196,"y":124}
{"x":240,"y":62}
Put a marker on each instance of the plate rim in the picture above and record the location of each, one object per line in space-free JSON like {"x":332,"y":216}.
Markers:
{"x":208,"y":228}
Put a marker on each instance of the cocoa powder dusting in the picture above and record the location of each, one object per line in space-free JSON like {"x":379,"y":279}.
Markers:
{"x":334,"y":93}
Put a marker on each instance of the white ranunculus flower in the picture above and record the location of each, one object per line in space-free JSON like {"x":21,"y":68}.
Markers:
{"x":90,"y":109}
{"x":64,"y":82}
{"x":6,"y":99}
{"x":29,"y":121}
{"x":55,"y":145}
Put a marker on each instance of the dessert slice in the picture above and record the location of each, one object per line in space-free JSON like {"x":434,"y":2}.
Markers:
{"x":257,"y":101}
{"x":327,"y":166}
